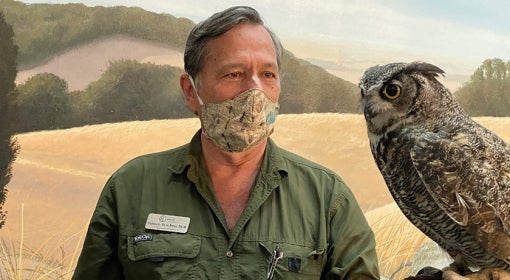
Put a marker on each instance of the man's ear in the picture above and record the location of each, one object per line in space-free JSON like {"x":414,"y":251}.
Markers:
{"x":189,"y":93}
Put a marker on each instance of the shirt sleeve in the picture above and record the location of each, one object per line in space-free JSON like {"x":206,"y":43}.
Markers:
{"x":98,"y":258}
{"x":351,"y":254}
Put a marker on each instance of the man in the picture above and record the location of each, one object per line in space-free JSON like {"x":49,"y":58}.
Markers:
{"x":230,"y":204}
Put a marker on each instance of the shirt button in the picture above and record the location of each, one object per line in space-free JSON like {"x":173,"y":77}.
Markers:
{"x":230,"y":254}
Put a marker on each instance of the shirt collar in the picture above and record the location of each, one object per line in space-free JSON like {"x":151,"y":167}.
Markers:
{"x":273,"y":159}
{"x":188,"y":155}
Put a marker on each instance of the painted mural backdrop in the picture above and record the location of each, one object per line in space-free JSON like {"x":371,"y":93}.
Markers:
{"x":84,"y":87}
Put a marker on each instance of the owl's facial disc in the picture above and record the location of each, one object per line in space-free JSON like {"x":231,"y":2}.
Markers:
{"x":381,"y":107}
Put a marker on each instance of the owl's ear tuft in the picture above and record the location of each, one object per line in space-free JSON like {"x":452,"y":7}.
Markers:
{"x":424,"y":68}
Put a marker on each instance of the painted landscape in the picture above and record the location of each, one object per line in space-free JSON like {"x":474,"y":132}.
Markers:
{"x":60,"y":170}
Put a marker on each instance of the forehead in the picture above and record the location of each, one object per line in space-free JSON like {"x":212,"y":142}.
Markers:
{"x":377,"y":75}
{"x":242,"y":38}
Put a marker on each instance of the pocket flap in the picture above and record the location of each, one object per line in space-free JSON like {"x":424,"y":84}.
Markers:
{"x":296,"y":259}
{"x":164,"y":245}
{"x":292,"y":250}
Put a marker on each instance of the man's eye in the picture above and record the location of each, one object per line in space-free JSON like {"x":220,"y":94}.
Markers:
{"x":269,"y":75}
{"x":234,"y":75}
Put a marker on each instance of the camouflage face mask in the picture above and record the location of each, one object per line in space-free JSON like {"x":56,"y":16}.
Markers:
{"x":238,"y":124}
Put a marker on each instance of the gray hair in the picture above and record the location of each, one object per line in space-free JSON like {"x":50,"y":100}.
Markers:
{"x":216,"y":25}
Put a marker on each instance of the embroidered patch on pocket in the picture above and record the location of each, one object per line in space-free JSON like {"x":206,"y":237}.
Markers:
{"x":294,"y":264}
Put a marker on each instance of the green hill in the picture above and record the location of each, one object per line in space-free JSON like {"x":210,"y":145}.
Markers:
{"x":44,"y":30}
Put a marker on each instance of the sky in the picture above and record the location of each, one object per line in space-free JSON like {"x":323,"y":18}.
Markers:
{"x":347,"y":36}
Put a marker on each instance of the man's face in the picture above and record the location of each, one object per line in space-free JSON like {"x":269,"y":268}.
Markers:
{"x":242,"y":58}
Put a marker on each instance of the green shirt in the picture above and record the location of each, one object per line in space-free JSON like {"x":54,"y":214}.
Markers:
{"x":296,"y":205}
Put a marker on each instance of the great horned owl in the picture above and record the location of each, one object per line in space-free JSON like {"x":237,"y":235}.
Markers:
{"x":449,"y":175}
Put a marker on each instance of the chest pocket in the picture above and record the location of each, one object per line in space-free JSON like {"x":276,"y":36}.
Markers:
{"x":298,"y":262}
{"x":162,"y":254}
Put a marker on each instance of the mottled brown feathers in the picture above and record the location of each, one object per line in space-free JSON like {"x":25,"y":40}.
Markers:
{"x":449,"y":175}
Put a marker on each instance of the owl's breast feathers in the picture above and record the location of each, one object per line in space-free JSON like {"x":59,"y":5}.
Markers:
{"x":466,"y":173}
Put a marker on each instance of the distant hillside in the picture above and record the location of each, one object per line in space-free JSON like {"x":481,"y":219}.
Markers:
{"x":48,"y":33}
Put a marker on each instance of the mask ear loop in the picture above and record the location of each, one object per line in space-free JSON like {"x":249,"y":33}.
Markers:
{"x":196,"y":91}
{"x":199,"y":100}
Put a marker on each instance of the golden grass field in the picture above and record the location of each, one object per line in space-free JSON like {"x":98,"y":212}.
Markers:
{"x":59,"y":174}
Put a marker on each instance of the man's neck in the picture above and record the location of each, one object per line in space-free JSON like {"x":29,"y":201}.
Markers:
{"x":232,"y":176}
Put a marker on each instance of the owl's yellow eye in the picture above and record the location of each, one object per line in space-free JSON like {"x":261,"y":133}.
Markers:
{"x":391,"y":91}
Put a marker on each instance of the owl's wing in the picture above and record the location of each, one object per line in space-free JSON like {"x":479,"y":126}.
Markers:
{"x":470,"y":188}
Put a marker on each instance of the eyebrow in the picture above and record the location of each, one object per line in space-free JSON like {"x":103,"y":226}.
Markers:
{"x":228,"y":66}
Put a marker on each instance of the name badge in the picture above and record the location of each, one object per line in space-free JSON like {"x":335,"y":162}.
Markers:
{"x":167,"y":223}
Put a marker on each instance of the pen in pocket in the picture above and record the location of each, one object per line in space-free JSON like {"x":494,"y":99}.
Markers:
{"x":275,"y":257}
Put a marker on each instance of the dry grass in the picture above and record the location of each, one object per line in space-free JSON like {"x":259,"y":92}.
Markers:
{"x":59,"y":174}
{"x":397,"y":240}
{"x":46,"y":261}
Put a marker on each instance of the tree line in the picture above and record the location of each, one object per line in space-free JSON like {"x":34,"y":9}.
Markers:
{"x":127,"y":91}
{"x":130,"y":90}
{"x":487,"y":93}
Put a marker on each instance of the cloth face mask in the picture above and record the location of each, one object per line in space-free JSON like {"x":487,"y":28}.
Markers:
{"x":237,"y":124}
